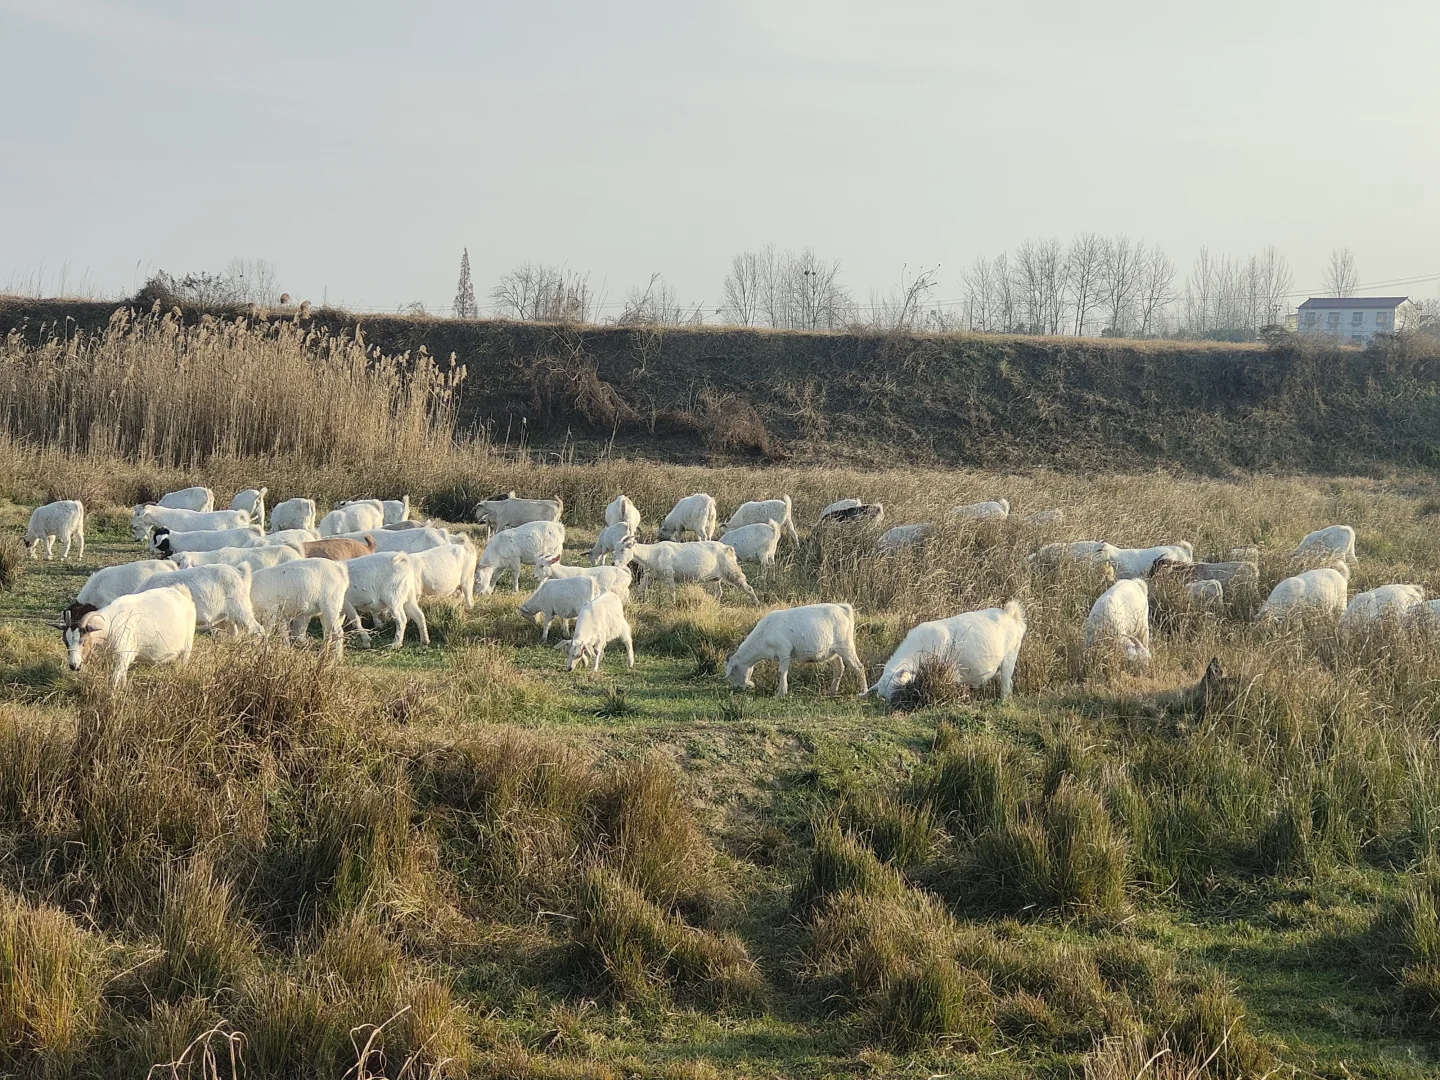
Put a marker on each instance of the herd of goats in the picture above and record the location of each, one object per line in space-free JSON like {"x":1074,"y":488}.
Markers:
{"x":220,"y":570}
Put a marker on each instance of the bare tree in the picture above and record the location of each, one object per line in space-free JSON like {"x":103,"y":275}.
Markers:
{"x":533,"y":292}
{"x":745,"y":289}
{"x":816,"y":299}
{"x":1154,"y":291}
{"x":657,"y":305}
{"x":1120,"y":274}
{"x":1040,"y":281}
{"x":904,"y":308}
{"x":1276,"y":285}
{"x":251,"y":281}
{"x":982,"y":297}
{"x":1341,"y":278}
{"x":1083,"y":266}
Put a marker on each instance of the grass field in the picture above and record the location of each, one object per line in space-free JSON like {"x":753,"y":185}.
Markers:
{"x":522,"y":872}
{"x":463,"y":861}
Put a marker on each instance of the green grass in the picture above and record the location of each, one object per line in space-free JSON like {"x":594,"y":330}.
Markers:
{"x":507,"y":891}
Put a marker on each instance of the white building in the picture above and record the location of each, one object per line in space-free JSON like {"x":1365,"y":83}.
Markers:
{"x":1354,"y":319}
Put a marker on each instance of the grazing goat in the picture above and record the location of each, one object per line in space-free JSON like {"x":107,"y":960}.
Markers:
{"x":357,"y":517}
{"x":288,"y":596}
{"x":524,"y":545}
{"x":1086,"y":552}
{"x":609,"y":539}
{"x":859,"y":514}
{"x":113,"y":582}
{"x":407,"y":540}
{"x":600,"y":622}
{"x":510,"y":512}
{"x":257,"y":558}
{"x":1321,"y":591}
{"x":754,"y":543}
{"x":694,"y":513}
{"x":994,"y":510}
{"x":1236,"y":572}
{"x":758,"y":513}
{"x":815,"y":633}
{"x":614,"y":579}
{"x":1369,"y":608}
{"x":1136,"y":562}
{"x":338,"y":548}
{"x":392,"y":511}
{"x":699,"y":562}
{"x":201,"y":499}
{"x":166,"y":543}
{"x":1121,"y":616}
{"x":253,"y":500}
{"x":387,"y":587}
{"x":149,"y":516}
{"x":559,"y":598}
{"x":293,"y":514}
{"x":64,"y":520}
{"x":903,"y":536}
{"x":445,"y":571}
{"x":1333,"y":542}
{"x":220,"y":593}
{"x":1046,"y":518}
{"x":157,"y":626}
{"x":837,"y":506}
{"x":977,"y":647}
{"x":622,"y":511}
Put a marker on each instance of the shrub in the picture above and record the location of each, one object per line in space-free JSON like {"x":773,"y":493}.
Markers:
{"x":974,"y":785}
{"x":633,"y":948}
{"x":208,"y":945}
{"x":934,"y":1002}
{"x":50,"y":987}
{"x":840,"y":863}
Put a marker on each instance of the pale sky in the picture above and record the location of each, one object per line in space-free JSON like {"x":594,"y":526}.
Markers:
{"x":359,"y":146}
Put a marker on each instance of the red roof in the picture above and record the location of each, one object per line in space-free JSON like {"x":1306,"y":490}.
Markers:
{"x":1350,"y":303}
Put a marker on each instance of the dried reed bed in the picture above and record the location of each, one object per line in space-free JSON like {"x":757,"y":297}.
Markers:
{"x":151,"y":388}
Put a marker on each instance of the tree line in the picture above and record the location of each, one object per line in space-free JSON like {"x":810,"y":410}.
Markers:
{"x":1092,"y":286}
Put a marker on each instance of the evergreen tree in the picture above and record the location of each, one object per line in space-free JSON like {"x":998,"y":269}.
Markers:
{"x":465,"y":292}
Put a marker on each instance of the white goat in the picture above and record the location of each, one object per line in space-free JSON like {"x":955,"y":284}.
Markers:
{"x":253,"y":500}
{"x":758,"y":513}
{"x":609,"y":539}
{"x":387,"y":587}
{"x":293,"y":514}
{"x":166,"y":543}
{"x":354,"y":518}
{"x":156,"y":626}
{"x":509,"y":549}
{"x":622,"y":510}
{"x":1368,"y":608}
{"x":201,"y":499}
{"x":407,"y":540}
{"x":701,"y":561}
{"x":1334,"y":542}
{"x":977,"y":646}
{"x":288,"y":596}
{"x":559,"y":598}
{"x":221,"y":595}
{"x":148,"y":516}
{"x":63,"y":520}
{"x":112,"y":582}
{"x":614,"y":579}
{"x":837,"y":506}
{"x":903,"y":536}
{"x":694,"y":513}
{"x":257,"y":558}
{"x":1121,"y":616}
{"x":1323,"y":591}
{"x":1087,"y":552}
{"x":600,"y":622}
{"x":445,"y":571}
{"x":392,"y":511}
{"x":994,"y":510}
{"x":292,"y":537}
{"x":510,"y":512}
{"x":815,"y":633}
{"x":1136,"y":562}
{"x":754,"y":543}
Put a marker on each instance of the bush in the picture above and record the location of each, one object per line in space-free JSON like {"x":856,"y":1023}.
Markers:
{"x":50,"y":986}
{"x":840,"y":863}
{"x":934,"y":1002}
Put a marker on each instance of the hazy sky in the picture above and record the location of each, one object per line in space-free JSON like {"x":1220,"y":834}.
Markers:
{"x":358,"y":145}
